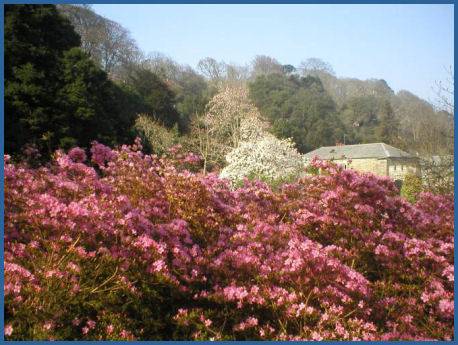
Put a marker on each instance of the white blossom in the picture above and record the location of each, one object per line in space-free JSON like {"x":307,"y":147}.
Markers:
{"x":263,"y":157}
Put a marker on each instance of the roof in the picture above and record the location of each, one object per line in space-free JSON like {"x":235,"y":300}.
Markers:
{"x":373,"y":150}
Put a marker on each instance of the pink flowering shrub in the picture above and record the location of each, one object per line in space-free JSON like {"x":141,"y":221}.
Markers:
{"x":129,"y":246}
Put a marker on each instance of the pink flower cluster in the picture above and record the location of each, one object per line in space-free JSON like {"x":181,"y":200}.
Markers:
{"x":138,"y":247}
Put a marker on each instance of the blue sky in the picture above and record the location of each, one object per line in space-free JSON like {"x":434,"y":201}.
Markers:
{"x":410,"y":46}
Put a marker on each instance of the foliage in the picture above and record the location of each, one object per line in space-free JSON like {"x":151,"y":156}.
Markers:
{"x":411,"y":187}
{"x":264,"y":65}
{"x":158,"y":97}
{"x":369,"y":119}
{"x":218,"y":131}
{"x":226,"y":111}
{"x":315,"y":67}
{"x":31,"y":77}
{"x":438,"y":174}
{"x":425,"y":130}
{"x":157,"y":138}
{"x":107,"y":42}
{"x":55,"y":96}
{"x":139,"y":247}
{"x":192,"y":96}
{"x":191,"y":90}
{"x":297,"y":108}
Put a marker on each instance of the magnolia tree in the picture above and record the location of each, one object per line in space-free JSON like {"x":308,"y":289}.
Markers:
{"x":219,"y":130}
{"x":225,"y":113}
{"x":262,"y":156}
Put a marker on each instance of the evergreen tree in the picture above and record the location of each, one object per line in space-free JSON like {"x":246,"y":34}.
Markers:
{"x":36,"y":37}
{"x":55,"y":95}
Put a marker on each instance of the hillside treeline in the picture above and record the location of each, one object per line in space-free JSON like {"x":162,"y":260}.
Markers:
{"x":73,"y":76}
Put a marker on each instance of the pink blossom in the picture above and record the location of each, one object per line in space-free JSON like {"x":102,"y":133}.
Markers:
{"x":8,"y":330}
{"x":91,"y":324}
{"x":327,"y":257}
{"x":77,"y":155}
{"x":48,"y":325}
{"x":110,"y":329}
{"x":446,"y":307}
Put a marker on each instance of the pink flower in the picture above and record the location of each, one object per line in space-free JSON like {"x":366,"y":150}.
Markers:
{"x":101,"y":153}
{"x":72,"y":266}
{"x":77,"y":155}
{"x":158,"y":266}
{"x":446,"y":307}
{"x":298,"y":257}
{"x":126,"y":334}
{"x":48,"y":325}
{"x":8,"y":330}
{"x":54,"y":273}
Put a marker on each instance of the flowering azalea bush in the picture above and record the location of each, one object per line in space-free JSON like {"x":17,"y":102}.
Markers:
{"x":124,"y":246}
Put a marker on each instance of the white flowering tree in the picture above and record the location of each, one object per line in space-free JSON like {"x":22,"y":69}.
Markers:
{"x":219,"y":130}
{"x":232,"y":128}
{"x":262,"y":156}
{"x":225,"y":113}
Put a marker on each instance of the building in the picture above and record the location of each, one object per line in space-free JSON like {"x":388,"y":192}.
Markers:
{"x":378,"y":158}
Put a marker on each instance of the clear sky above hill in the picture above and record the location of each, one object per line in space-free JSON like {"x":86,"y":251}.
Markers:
{"x":410,"y":46}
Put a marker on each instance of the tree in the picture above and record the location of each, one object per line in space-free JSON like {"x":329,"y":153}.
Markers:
{"x":261,"y":156}
{"x":297,"y":108}
{"x":163,"y":66}
{"x":438,"y":174}
{"x":370,"y":119}
{"x":55,"y":95}
{"x":387,"y":129}
{"x":445,"y":92}
{"x":411,"y":187}
{"x":423,"y":129}
{"x":192,"y":95}
{"x":264,"y":65}
{"x":86,"y":97}
{"x":236,"y":75}
{"x":36,"y":37}
{"x":225,"y":113}
{"x":156,"y":138}
{"x":315,"y":66}
{"x":191,"y":90}
{"x":107,"y":42}
{"x":211,"y":69}
{"x":158,"y":97}
{"x":220,"y":129}
{"x":202,"y":141}
{"x":288,"y":69}
{"x":86,"y":23}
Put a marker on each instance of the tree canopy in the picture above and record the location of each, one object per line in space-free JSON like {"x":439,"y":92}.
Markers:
{"x":57,"y":96}
{"x":298,"y":108}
